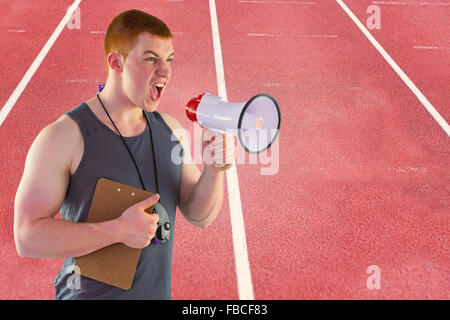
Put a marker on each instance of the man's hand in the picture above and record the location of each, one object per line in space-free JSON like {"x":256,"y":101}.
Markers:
{"x":137,"y":226}
{"x":218,"y":149}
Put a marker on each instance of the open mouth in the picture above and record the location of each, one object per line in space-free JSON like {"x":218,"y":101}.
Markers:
{"x":157,"y":91}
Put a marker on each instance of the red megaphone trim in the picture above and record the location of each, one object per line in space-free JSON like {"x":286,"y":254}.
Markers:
{"x":192,"y":106}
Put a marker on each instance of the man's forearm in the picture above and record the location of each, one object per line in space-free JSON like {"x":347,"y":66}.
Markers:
{"x":206,"y":198}
{"x":57,"y":238}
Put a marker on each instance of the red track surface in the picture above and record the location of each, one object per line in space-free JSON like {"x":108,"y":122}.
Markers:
{"x":363,"y":170}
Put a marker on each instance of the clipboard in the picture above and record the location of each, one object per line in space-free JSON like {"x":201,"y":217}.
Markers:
{"x":115,"y":264}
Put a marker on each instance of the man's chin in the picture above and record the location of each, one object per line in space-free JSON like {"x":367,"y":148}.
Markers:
{"x":151,"y":106}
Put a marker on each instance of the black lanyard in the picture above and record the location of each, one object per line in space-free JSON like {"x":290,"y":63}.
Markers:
{"x":131,"y":155}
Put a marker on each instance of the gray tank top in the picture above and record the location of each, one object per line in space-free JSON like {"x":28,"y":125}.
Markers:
{"x":106,"y":156}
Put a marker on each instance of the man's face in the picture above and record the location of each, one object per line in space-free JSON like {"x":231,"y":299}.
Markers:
{"x":147,"y":71}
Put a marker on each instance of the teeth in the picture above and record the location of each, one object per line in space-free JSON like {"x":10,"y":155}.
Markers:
{"x":160,"y":85}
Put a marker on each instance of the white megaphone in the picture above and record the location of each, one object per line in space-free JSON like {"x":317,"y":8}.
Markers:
{"x":256,"y":122}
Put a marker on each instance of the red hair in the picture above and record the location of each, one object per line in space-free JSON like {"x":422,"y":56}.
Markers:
{"x":124,"y":29}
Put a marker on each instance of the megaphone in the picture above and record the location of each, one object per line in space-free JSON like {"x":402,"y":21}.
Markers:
{"x":256,"y":122}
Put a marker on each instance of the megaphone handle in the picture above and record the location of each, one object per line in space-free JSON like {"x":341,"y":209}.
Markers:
{"x":220,"y":167}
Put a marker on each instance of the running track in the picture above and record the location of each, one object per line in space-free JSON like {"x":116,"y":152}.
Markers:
{"x":363,"y":174}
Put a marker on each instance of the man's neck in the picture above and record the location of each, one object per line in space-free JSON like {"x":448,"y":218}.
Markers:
{"x":119,"y":107}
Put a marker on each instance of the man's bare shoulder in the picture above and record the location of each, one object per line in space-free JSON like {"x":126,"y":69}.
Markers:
{"x":178,"y":131}
{"x":171,"y":121}
{"x":60,"y":140}
{"x":63,"y":130}
{"x":175,"y":126}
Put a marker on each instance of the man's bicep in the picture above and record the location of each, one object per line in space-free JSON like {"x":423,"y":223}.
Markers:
{"x":190,"y":174}
{"x":45,"y":178}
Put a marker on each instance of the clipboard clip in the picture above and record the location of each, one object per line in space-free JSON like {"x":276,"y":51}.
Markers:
{"x":163,"y":231}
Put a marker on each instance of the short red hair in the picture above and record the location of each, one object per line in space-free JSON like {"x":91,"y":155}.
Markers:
{"x":127,"y":26}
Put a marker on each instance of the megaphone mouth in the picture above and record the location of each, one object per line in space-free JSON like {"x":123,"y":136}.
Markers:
{"x":259,"y":123}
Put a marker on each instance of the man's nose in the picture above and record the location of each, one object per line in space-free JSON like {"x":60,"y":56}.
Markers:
{"x":164,"y":69}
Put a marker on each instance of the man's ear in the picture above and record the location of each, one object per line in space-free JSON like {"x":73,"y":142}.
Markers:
{"x":115,"y":62}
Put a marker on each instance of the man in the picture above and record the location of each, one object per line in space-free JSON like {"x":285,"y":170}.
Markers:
{"x":100,"y":138}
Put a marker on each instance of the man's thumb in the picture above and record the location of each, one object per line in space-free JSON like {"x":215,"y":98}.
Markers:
{"x":147,"y":203}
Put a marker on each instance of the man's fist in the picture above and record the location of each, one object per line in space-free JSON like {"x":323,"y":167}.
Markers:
{"x":218,"y":149}
{"x":137,"y":226}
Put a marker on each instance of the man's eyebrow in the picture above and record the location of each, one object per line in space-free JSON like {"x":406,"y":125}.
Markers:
{"x":155,"y":54}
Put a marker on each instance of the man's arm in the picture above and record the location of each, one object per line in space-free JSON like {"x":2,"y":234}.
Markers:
{"x":37,"y":233}
{"x":201,"y":194}
{"x":202,"y":200}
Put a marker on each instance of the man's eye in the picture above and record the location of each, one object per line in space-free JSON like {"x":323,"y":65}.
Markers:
{"x":169,"y":60}
{"x":150,"y":59}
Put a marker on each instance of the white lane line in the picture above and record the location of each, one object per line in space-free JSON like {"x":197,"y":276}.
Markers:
{"x":398,"y":70}
{"x":20,"y":31}
{"x":430,"y":48}
{"x":277,"y":2}
{"x":324,"y":36}
{"x":104,"y":32}
{"x":403,"y":3}
{"x":291,"y":35}
{"x":278,"y":84}
{"x":244,"y":278}
{"x":36,"y":63}
{"x":265,"y":35}
{"x":76,"y":81}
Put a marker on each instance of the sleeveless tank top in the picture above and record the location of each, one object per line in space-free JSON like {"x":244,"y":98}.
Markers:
{"x":106,"y":156}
